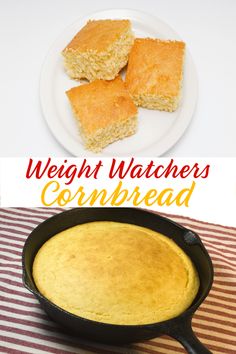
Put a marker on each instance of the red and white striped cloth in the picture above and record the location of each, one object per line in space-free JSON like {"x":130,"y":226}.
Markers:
{"x":25,"y":328}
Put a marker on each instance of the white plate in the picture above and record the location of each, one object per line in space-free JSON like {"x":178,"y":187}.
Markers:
{"x":157,"y":131}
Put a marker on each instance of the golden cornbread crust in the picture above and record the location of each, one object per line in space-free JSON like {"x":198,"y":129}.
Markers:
{"x":99,"y":50}
{"x":104,"y":111}
{"x":116,"y":273}
{"x":98,"y":35}
{"x":155,"y":73}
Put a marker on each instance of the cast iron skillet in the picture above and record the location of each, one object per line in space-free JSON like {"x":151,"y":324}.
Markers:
{"x":178,"y":327}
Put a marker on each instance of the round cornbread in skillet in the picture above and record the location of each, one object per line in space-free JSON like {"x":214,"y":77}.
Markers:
{"x":116,"y":273}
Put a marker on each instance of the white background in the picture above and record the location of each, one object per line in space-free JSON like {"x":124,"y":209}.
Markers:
{"x":28,"y":29}
{"x":213,"y":200}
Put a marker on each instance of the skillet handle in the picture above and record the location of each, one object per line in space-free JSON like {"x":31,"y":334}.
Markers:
{"x":184,"y":334}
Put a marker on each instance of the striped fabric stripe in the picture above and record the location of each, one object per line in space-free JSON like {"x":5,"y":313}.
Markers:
{"x":25,"y":328}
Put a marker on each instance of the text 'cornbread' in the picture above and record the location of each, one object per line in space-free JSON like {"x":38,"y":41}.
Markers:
{"x":116,"y":273}
{"x":155,"y":73}
{"x":104,"y":111}
{"x":99,"y":50}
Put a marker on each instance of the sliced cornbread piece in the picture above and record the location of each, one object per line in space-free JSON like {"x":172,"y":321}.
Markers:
{"x":104,"y":111}
{"x":99,"y":50}
{"x":155,"y":72}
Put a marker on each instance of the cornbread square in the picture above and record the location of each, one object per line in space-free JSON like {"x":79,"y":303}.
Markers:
{"x":99,"y":50}
{"x":104,"y":111}
{"x":155,"y":72}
